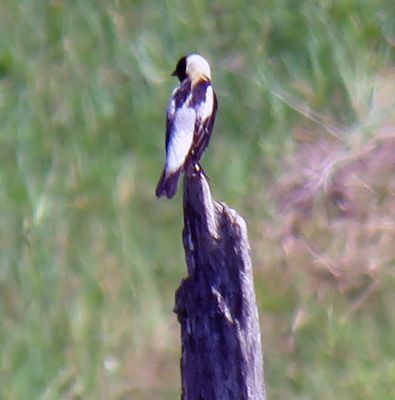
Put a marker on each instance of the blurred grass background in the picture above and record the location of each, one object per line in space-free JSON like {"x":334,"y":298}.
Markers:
{"x":90,"y":259}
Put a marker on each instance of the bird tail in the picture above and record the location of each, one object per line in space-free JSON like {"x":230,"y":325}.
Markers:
{"x":168,"y":183}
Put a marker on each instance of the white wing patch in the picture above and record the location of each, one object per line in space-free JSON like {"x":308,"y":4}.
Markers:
{"x":181,"y":135}
{"x":171,"y":107}
{"x":205,"y":108}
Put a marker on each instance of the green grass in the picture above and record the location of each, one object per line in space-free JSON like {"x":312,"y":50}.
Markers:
{"x":90,"y":259}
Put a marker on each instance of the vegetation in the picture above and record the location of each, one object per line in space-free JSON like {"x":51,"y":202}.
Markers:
{"x":90,"y":259}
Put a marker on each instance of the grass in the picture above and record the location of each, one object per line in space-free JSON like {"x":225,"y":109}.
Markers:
{"x":90,"y":259}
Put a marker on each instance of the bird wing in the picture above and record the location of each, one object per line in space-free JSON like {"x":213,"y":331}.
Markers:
{"x":180,"y":127}
{"x":171,"y":109}
{"x":206,"y":104}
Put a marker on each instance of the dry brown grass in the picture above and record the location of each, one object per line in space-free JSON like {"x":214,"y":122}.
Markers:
{"x":336,"y":202}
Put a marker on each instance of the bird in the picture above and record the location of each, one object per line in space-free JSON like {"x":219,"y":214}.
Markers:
{"x":190,"y":118}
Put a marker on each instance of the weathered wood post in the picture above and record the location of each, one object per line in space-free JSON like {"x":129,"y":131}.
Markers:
{"x":215,"y":304}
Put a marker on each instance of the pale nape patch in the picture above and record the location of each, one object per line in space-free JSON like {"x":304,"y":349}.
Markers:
{"x":197,"y":67}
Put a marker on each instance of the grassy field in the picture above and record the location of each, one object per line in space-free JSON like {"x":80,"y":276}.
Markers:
{"x":90,"y":259}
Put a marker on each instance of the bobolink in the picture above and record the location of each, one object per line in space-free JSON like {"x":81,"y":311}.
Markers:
{"x":189,"y":120}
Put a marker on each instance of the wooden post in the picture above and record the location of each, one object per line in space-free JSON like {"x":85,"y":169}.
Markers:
{"x":221,"y":342}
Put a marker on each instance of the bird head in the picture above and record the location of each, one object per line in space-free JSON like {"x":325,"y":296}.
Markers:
{"x":193,"y":67}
